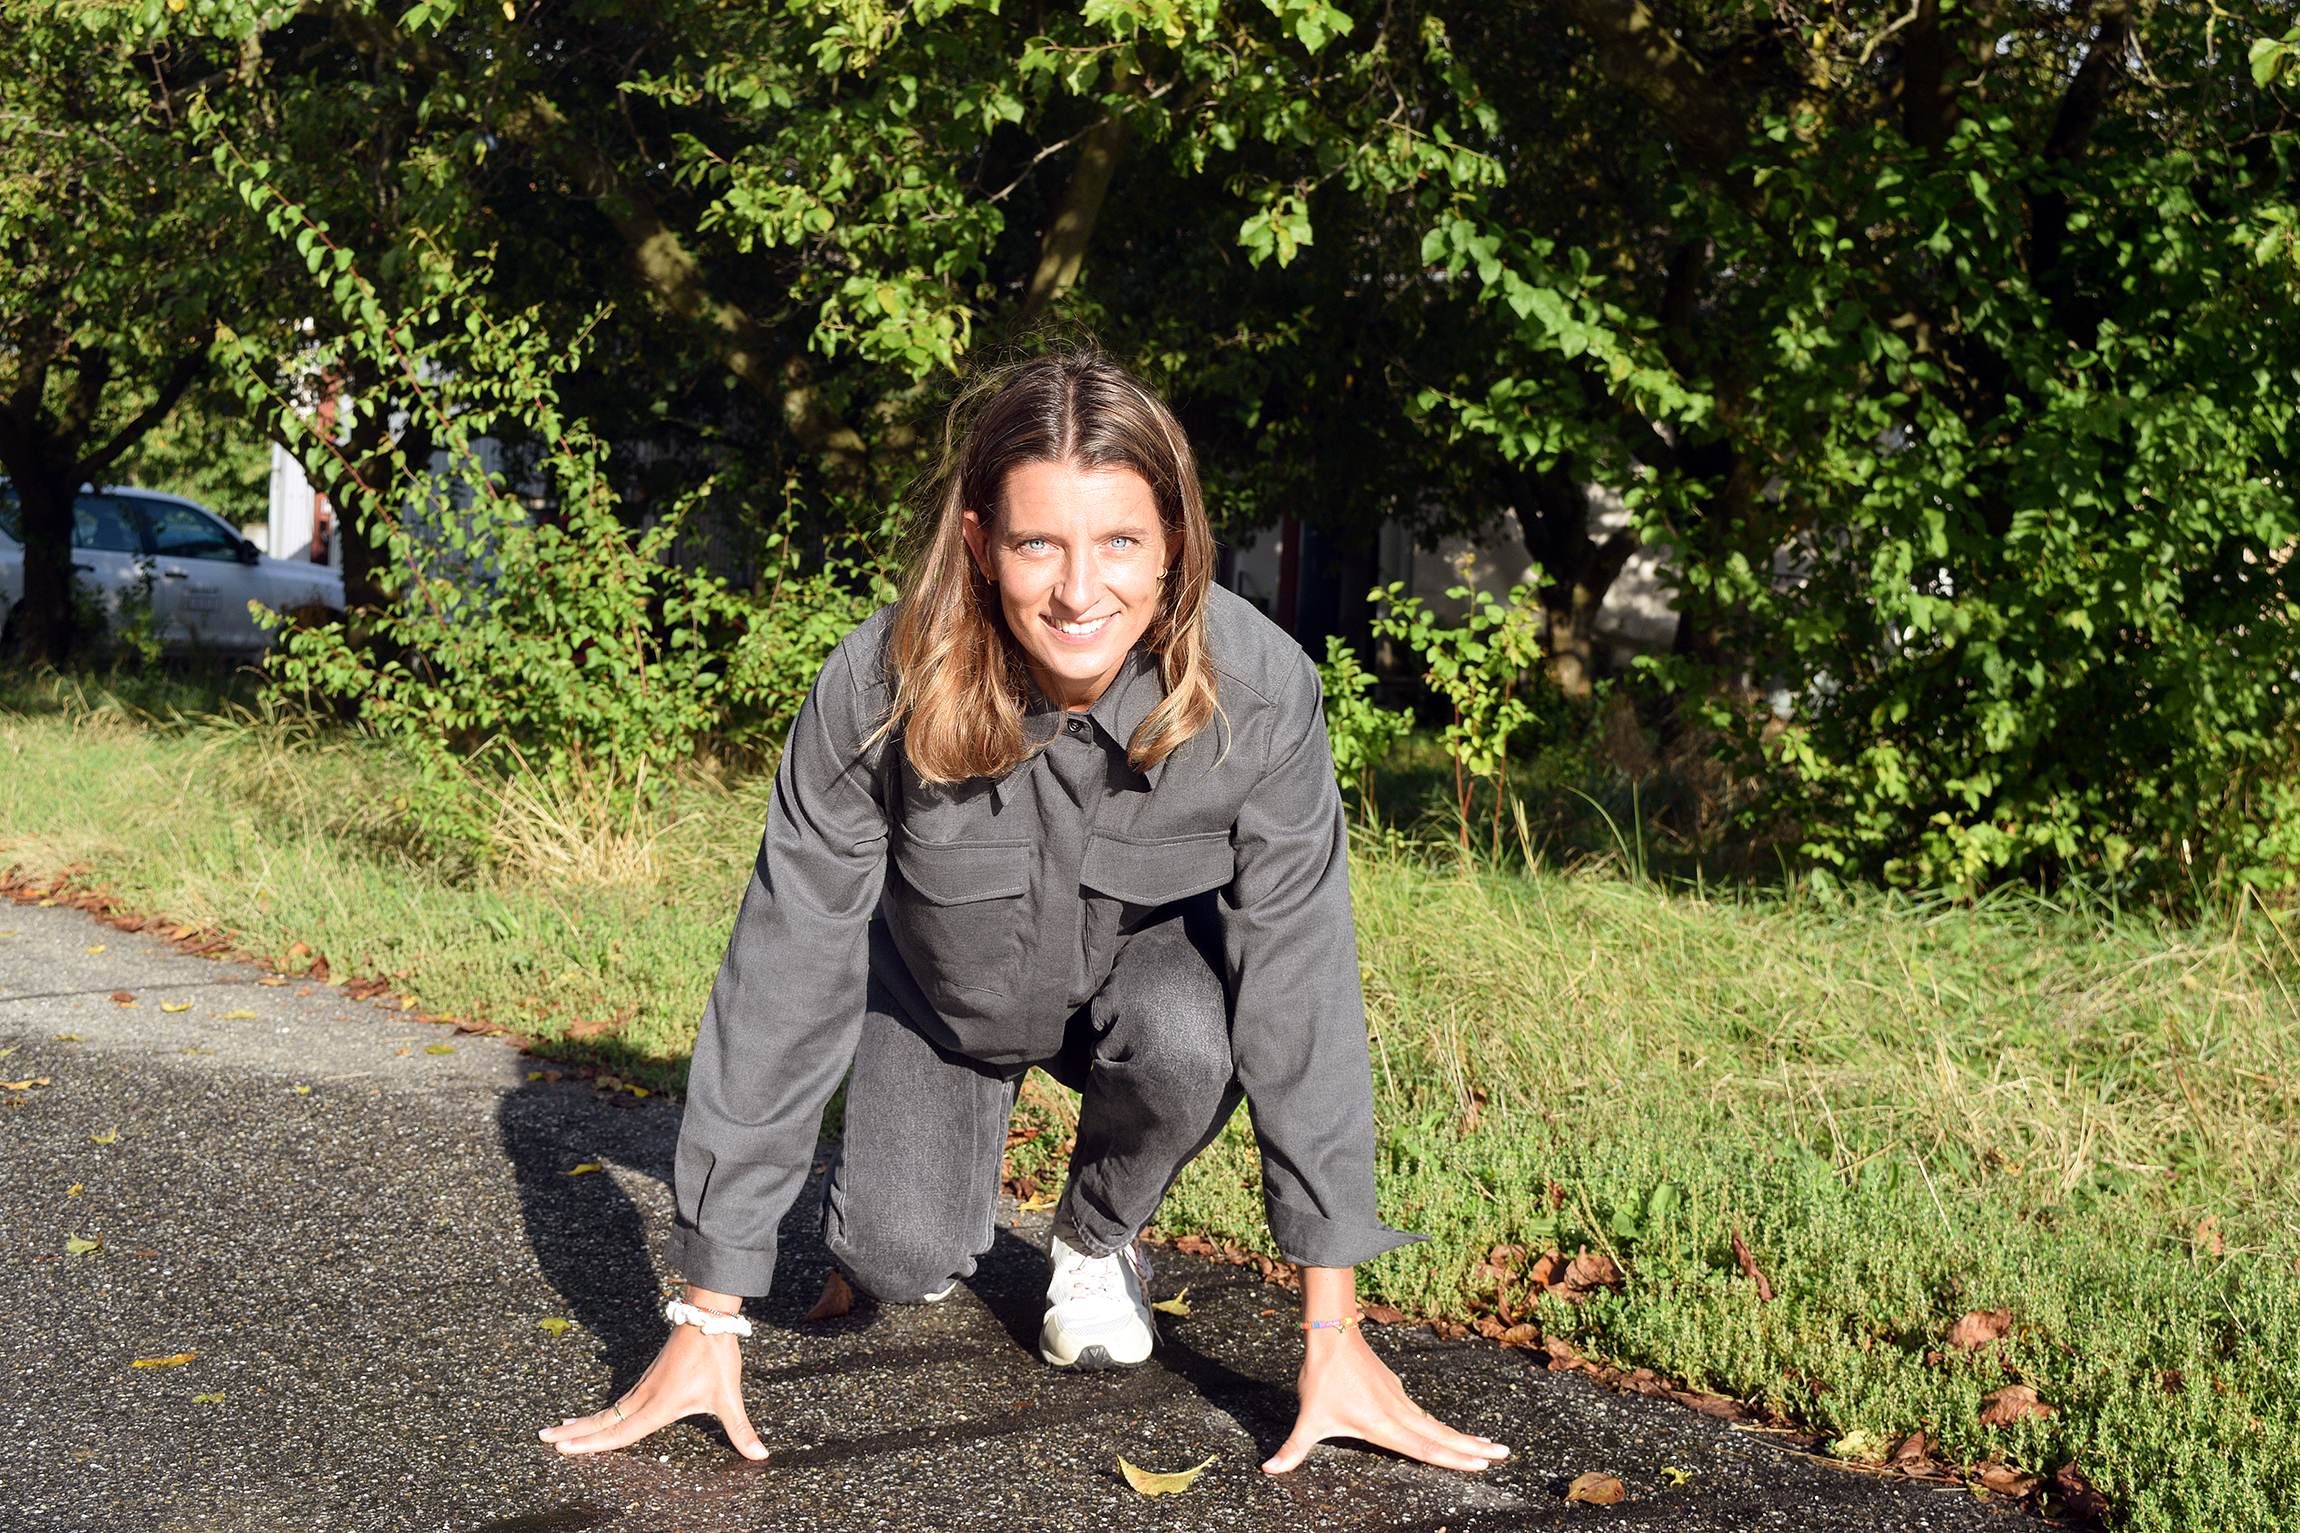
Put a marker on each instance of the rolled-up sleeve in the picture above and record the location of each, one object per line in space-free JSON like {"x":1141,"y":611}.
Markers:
{"x":785,"y":1012}
{"x":1298,"y":1030}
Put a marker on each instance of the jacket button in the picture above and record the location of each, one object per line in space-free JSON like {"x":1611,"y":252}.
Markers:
{"x":1077,"y":728}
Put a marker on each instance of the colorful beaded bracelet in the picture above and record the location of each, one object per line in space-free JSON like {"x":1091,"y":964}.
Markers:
{"x":1342,"y":1324}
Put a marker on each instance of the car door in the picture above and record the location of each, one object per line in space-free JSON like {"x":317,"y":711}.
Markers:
{"x":107,"y":554}
{"x":202,"y":586}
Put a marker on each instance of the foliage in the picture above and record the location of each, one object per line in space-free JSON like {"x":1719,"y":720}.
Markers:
{"x":1962,"y":397}
{"x":1359,"y":732}
{"x":1479,"y":666}
{"x":537,"y":624}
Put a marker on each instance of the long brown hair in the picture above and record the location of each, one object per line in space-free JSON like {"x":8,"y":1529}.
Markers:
{"x":960,"y":680}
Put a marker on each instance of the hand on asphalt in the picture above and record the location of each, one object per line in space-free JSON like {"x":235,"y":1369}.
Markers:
{"x":693,"y":1374}
{"x":1349,"y":1392}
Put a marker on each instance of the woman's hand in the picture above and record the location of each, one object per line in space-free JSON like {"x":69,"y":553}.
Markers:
{"x":693,"y":1374}
{"x":1348,"y":1392}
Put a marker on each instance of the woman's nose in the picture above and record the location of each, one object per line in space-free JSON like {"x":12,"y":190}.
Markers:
{"x":1076,"y":588}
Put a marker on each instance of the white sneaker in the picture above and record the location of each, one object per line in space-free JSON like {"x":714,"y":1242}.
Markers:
{"x":1097,"y":1313}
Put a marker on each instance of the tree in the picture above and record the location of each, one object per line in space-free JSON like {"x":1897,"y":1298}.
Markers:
{"x":121,"y":255}
{"x":1957,"y":371}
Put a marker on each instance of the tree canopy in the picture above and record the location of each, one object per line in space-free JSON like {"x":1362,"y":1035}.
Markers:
{"x":1946,"y":351}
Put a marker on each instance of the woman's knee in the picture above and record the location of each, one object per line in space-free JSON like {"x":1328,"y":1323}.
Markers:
{"x":1171,"y":1031}
{"x":897,"y":1260}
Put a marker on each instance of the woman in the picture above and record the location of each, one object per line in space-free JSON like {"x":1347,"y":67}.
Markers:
{"x":1066,"y":804}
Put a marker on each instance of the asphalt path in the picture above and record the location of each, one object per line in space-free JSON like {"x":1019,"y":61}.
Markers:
{"x":363,"y":1251}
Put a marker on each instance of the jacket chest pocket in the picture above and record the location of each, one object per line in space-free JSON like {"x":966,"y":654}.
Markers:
{"x":1159,"y":872}
{"x":959,"y":915}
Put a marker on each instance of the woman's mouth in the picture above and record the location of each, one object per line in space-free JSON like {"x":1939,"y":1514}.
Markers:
{"x":1084,"y":630}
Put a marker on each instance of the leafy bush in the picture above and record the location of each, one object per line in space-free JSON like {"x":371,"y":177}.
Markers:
{"x":534,"y":636}
{"x":1480,"y":667}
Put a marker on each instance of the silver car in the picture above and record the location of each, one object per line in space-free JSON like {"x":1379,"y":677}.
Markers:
{"x":197,"y":572}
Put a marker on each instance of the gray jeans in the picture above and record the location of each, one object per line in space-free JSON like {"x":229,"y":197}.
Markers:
{"x":912,"y":1197}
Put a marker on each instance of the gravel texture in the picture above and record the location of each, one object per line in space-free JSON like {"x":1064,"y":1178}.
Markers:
{"x":357,"y":1242}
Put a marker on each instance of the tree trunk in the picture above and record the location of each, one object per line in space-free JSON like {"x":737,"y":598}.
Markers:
{"x":1575,"y":571}
{"x":45,"y":623}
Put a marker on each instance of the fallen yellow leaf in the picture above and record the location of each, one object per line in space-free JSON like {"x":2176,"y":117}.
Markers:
{"x":176,"y":1361}
{"x":80,"y":1245}
{"x":98,"y":948}
{"x":535,"y":1075}
{"x":440,"y":1048}
{"x":107,"y":1136}
{"x":1034,"y":1205}
{"x":72,"y":1191}
{"x":1676,"y":1476}
{"x":589,"y":1165}
{"x":1161,"y":1484}
{"x":215,"y":1399}
{"x":303,"y":1091}
{"x":554,"y":1325}
{"x":47,"y":904}
{"x":274,"y":980}
{"x":241,"y":1015}
{"x":1176,"y":1306}
{"x":24,"y":1085}
{"x":65,"y":1038}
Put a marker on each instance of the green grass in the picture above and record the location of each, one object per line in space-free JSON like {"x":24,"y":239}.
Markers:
{"x":1909,"y":1109}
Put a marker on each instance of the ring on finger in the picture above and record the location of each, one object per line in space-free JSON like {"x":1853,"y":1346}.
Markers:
{"x":617,"y":1407}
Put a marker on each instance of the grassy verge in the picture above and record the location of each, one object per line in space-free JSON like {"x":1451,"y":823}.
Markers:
{"x":1907,"y":1111}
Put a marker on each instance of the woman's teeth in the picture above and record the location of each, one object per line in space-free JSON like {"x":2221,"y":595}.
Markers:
{"x":1080,"y":630}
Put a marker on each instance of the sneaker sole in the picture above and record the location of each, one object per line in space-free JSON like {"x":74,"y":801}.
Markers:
{"x":1091,"y":1359}
{"x":1094,"y":1357}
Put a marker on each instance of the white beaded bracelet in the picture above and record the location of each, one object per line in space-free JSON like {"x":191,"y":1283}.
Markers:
{"x":708,"y":1322}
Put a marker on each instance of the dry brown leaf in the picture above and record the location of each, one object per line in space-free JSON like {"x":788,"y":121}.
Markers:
{"x":1596,"y":1489}
{"x":2208,"y":1236}
{"x":2011,"y":1404}
{"x":1520,"y":1336}
{"x":1588,"y":1271}
{"x":1162,"y":1484}
{"x":1716,"y":1407}
{"x":1562,"y":1357}
{"x":2005,"y":1480}
{"x":2079,"y":1501}
{"x":25,"y":1085}
{"x":838,"y":1298}
{"x":1976,"y":1330}
{"x":1915,"y":1457}
{"x":1543,"y":1273}
{"x":1755,"y":1274}
{"x":1382,"y":1314}
{"x":123,"y":998}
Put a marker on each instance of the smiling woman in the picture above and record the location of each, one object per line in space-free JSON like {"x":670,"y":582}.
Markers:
{"x":1013,"y":829}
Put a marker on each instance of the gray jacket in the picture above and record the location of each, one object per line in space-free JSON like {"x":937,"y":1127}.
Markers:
{"x":992,"y":910}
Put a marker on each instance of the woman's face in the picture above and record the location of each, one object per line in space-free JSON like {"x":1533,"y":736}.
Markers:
{"x":1077,"y":556}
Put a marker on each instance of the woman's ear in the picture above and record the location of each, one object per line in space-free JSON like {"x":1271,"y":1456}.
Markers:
{"x":978,"y":545}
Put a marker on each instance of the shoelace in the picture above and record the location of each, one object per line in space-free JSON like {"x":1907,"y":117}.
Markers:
{"x":1094,"y":1277}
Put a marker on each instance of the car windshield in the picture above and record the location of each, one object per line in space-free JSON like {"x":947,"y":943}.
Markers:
{"x":185,"y":532}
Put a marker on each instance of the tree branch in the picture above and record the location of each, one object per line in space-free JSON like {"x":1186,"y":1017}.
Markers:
{"x":1063,"y":248}
{"x":1637,"y":53}
{"x":92,"y":467}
